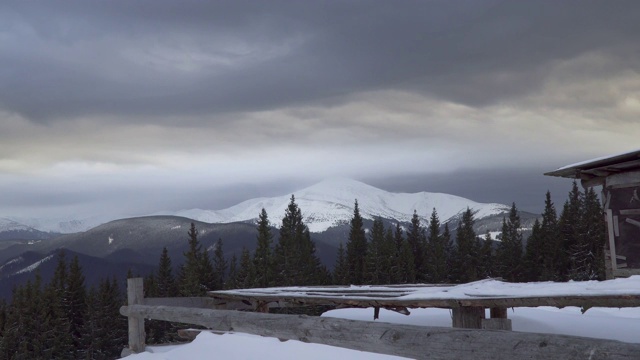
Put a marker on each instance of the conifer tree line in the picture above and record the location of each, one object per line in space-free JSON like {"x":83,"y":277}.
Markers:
{"x":568,"y":247}
{"x":560,"y":248}
{"x":62,"y":319}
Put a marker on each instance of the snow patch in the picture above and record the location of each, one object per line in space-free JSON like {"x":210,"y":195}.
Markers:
{"x":110,"y":239}
{"x":17,"y":260}
{"x":33,"y":266}
{"x":176,"y":227}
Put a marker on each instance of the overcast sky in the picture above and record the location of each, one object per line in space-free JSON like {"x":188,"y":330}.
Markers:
{"x":131,"y":107}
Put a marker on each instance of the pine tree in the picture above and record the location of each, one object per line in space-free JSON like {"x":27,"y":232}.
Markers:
{"x":91,"y":333}
{"x":375,"y":257}
{"x":263,"y":259}
{"x":465,"y":260}
{"x":245,"y":278}
{"x":587,"y":253}
{"x":76,"y":308}
{"x":219,"y":266}
{"x":449,"y":251}
{"x":595,"y":230}
{"x":294,"y":255}
{"x":207,"y":272}
{"x":161,"y":285}
{"x":107,"y":327}
{"x":59,"y":338}
{"x":436,"y":254}
{"x":232,"y":279}
{"x":486,"y":258}
{"x":388,"y":263}
{"x":509,"y":252}
{"x":552,"y":253}
{"x":190,"y":276}
{"x":533,"y":258}
{"x":569,"y":228}
{"x":398,"y":273}
{"x":13,"y":330}
{"x":417,"y":240}
{"x":166,"y":282}
{"x":356,"y":248}
{"x":341,"y":268}
{"x":408,"y":272}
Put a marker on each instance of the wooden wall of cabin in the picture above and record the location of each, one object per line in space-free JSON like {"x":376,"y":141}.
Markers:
{"x":623,"y":223}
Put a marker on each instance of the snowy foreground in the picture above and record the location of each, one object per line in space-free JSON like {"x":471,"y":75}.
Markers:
{"x":606,"y":323}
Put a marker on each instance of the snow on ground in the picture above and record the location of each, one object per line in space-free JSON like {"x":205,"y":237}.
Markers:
{"x":605,"y":323}
{"x":248,"y":347}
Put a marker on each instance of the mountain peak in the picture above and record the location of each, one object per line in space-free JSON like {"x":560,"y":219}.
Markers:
{"x":331,"y":201}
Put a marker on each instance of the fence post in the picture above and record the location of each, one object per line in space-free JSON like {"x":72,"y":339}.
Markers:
{"x":135,"y":296}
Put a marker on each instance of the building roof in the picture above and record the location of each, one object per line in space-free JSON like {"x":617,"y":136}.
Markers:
{"x":600,"y":167}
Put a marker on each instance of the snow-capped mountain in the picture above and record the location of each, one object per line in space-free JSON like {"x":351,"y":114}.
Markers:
{"x":11,"y":229}
{"x":11,"y":225}
{"x":330,"y":203}
{"x":60,"y":225}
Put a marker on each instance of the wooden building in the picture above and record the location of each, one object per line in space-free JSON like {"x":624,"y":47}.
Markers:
{"x":619,"y":176}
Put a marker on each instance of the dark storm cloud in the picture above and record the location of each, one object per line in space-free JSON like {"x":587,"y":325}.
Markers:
{"x":67,"y":59}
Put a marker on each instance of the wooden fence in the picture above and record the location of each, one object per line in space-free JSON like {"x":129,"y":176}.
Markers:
{"x":417,"y":342}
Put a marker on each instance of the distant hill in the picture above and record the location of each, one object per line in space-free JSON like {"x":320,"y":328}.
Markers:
{"x":25,"y":266}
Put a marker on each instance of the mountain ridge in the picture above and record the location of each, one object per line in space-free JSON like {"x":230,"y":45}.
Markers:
{"x":331,"y":203}
{"x":326,"y":204}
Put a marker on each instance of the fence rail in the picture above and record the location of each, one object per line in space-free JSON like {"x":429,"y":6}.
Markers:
{"x":418,"y":342}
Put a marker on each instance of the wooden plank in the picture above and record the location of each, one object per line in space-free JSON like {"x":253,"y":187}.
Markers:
{"x":630,"y":212}
{"x":626,"y":272}
{"x":199,"y":302}
{"x":616,"y":226}
{"x":468,"y":317}
{"x":607,"y":200}
{"x":498,"y":313}
{"x":135,"y":296}
{"x":623,"y":179}
{"x":496,"y":324}
{"x":410,"y":341}
{"x":506,"y":302}
{"x":612,"y":240}
{"x":592,"y":181}
{"x":632,"y":222}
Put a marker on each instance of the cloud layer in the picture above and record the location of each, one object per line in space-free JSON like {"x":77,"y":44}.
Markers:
{"x":170,"y":100}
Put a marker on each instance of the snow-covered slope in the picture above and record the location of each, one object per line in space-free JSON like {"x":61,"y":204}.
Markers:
{"x":62,"y":225}
{"x":14,"y":230}
{"x":11,"y":225}
{"x":330,"y":203}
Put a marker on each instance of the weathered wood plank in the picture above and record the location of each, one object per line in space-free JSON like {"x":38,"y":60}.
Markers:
{"x":626,"y":272}
{"x":612,"y":240}
{"x":629,"y":178}
{"x":488,"y":302}
{"x":498,"y":313}
{"x":468,"y":317}
{"x":403,"y":340}
{"x":496,"y":324}
{"x":135,"y":296}
{"x":199,"y":302}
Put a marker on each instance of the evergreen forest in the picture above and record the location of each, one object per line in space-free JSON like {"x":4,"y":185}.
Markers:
{"x":65,"y":320}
